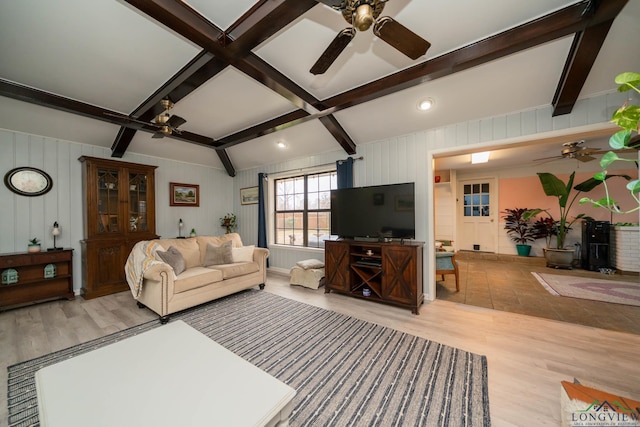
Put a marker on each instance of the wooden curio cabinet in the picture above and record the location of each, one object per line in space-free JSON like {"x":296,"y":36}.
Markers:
{"x":119,"y":211}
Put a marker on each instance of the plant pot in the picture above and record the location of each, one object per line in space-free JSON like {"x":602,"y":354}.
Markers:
{"x":559,"y":258}
{"x":523,"y":250}
{"x":34,"y":248}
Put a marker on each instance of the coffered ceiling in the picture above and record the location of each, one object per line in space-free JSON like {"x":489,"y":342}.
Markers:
{"x":238,"y":71}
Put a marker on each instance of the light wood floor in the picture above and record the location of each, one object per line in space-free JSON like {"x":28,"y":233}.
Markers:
{"x":527,"y":356}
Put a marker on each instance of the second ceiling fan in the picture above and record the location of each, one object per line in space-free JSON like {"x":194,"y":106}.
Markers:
{"x":361,"y":14}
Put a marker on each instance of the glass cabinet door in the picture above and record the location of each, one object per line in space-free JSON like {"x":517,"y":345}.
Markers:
{"x":108,"y":201}
{"x":138,"y":199}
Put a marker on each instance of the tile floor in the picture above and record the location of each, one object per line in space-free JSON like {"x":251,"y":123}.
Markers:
{"x":505,"y":282}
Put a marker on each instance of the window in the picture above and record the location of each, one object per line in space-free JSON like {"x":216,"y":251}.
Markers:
{"x":303,"y":209}
{"x":476,"y":199}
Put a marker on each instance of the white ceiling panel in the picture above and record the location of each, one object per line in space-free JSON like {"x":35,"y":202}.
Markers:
{"x":100,"y":52}
{"x":227,"y":102}
{"x":34,"y":119}
{"x":222,"y":13}
{"x":307,"y":139}
{"x":497,"y":88}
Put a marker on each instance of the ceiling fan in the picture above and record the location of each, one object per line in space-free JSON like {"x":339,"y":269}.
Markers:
{"x":575,"y":150}
{"x":165,"y":122}
{"x":360,"y":14}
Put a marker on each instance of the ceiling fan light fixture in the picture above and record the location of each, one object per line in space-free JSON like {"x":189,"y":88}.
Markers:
{"x":281,"y":144}
{"x":363,"y":17}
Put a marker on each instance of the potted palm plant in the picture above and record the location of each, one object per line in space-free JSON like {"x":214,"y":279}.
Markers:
{"x":561,"y":256}
{"x":520,"y":230}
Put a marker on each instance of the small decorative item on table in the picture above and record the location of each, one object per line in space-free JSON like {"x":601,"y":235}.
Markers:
{"x":49,"y":271}
{"x":34,"y":245}
{"x":366,"y":292}
{"x":193,"y":232}
{"x":9,"y":276}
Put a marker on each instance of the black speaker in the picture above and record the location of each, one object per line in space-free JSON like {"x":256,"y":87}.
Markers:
{"x":595,"y":245}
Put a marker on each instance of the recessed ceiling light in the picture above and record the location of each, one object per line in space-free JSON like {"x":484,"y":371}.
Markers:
{"x":281,"y":144}
{"x":480,"y":157}
{"x":425,"y":104}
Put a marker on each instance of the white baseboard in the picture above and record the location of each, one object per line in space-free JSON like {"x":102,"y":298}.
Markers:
{"x":279,"y":270}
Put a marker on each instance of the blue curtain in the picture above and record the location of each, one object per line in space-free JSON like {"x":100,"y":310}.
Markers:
{"x":262,"y":213}
{"x":344,"y":169}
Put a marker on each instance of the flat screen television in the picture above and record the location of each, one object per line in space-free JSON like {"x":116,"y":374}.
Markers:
{"x":375,"y":212}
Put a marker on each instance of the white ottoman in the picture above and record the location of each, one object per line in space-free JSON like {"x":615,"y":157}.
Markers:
{"x":308,"y":273}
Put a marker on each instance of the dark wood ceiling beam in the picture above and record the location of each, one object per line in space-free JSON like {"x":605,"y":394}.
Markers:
{"x":270,"y":126}
{"x":338,"y":133}
{"x":584,"y":51}
{"x":534,"y":33}
{"x":50,"y":100}
{"x":226,"y":162}
{"x":263,"y":20}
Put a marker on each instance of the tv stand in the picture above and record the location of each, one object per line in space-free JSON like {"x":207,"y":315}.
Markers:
{"x":389,"y":273}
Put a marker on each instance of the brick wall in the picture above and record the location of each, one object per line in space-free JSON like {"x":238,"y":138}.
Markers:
{"x":625,"y":244}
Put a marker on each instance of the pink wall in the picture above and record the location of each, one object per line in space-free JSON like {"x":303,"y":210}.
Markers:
{"x":527,"y":193}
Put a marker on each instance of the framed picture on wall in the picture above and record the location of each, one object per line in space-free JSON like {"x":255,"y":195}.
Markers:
{"x":249,"y":195}
{"x":184,"y":194}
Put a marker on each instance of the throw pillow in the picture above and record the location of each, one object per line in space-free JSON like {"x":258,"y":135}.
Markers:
{"x":310,"y":263}
{"x":217,"y":255}
{"x":174,"y":258}
{"x":243,"y":254}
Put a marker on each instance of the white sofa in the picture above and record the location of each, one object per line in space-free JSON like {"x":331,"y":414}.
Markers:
{"x":165,"y":293}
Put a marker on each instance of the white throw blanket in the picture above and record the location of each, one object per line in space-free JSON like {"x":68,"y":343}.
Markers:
{"x":141,"y":258}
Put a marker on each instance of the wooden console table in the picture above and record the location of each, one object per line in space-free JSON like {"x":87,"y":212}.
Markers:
{"x":33,"y":284}
{"x":390,"y":273}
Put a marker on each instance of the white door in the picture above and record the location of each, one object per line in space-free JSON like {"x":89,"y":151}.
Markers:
{"x":477,"y":215}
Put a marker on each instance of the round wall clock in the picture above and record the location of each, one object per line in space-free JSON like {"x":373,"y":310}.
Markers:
{"x":28,"y":181}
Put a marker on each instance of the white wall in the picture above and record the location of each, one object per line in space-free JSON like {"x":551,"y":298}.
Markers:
{"x":22,"y":218}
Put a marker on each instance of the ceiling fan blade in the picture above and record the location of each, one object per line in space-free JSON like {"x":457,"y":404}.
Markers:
{"x":548,"y":158}
{"x":175,"y":121}
{"x":332,"y":52}
{"x":400,"y":37}
{"x":585,"y":158}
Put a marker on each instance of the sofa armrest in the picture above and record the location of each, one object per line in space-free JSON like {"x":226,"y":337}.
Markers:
{"x":260,"y":256}
{"x":155,"y":271}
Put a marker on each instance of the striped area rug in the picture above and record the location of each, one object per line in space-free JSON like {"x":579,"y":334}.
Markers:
{"x":347,"y":372}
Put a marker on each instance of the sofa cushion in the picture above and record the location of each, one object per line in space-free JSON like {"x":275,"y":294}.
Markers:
{"x":188,"y":248}
{"x":217,"y":255}
{"x":237,"y":269}
{"x":196,"y":277}
{"x":203,"y":241}
{"x":310,"y":263}
{"x":174,"y":258}
{"x":243,"y":254}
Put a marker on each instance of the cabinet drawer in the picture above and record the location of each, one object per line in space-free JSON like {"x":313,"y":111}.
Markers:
{"x":53,"y":256}
{"x":15,"y":260}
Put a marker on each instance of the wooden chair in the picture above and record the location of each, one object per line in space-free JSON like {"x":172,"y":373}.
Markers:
{"x":446,"y":264}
